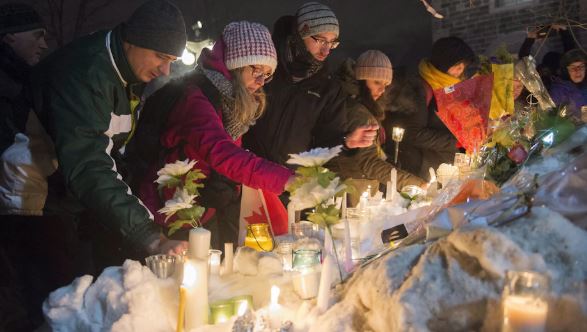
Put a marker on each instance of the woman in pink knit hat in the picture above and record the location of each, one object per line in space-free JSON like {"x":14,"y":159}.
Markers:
{"x":365,"y":82}
{"x":212,"y":107}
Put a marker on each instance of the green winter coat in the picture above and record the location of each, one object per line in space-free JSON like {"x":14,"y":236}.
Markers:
{"x":86,"y":104}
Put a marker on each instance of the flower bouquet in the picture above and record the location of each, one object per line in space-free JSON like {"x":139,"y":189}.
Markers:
{"x":182,"y":177}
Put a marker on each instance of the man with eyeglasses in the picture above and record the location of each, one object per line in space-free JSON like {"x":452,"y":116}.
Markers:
{"x":571,"y":88}
{"x":305,"y":106}
{"x":90,"y":90}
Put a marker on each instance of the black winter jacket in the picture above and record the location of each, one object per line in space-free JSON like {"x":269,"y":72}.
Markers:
{"x":427,"y":141}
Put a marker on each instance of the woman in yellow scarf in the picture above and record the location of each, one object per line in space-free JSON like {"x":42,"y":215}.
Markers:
{"x":427,"y":142}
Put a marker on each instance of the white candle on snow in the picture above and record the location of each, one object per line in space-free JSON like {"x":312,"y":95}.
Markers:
{"x":214,"y":261}
{"x":388,"y":196}
{"x":196,"y":286}
{"x":328,"y":270}
{"x":348,"y":252}
{"x":393,"y":183}
{"x":199,"y":243}
{"x":228,"y":258}
{"x":275,"y":311}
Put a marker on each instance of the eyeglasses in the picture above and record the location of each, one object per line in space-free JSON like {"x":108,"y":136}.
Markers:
{"x":577,"y":68}
{"x":258,"y":73}
{"x":324,"y":43}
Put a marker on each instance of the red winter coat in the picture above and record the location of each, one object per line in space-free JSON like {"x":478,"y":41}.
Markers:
{"x":195,"y":131}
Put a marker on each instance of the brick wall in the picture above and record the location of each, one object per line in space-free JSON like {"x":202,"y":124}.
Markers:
{"x":485,"y":28}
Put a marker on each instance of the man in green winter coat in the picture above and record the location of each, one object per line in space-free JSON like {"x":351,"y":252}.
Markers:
{"x":90,"y":90}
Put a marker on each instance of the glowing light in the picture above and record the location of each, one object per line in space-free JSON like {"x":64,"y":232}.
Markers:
{"x":188,"y":58}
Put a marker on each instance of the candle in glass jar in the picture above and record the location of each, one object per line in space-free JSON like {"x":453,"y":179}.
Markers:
{"x":524,"y":314}
{"x":221,"y":311}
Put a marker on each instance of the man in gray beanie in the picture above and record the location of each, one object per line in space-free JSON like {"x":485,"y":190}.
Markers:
{"x":89,"y":93}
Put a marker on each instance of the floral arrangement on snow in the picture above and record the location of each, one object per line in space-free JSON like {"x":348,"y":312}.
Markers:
{"x":315,"y":185}
{"x":182,"y":176}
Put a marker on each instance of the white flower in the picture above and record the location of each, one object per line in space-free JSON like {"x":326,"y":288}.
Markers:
{"x":175,"y":170}
{"x":314,"y":157}
{"x":181,"y":200}
{"x":311,"y":193}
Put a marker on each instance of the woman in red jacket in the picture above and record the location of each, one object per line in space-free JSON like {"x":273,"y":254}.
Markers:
{"x":218,"y":103}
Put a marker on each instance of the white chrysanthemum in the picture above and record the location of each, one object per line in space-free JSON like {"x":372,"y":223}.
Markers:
{"x":311,"y":194}
{"x":175,"y":170}
{"x":314,"y":157}
{"x":181,"y":200}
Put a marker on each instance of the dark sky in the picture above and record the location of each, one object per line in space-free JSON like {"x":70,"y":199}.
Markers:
{"x":402,"y":29}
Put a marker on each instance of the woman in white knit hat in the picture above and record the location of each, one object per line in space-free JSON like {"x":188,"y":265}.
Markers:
{"x":365,"y":82}
{"x":211,"y":109}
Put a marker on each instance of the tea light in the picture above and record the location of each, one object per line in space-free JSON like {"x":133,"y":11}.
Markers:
{"x":523,"y":313}
{"x":221,"y":311}
{"x":214,"y":261}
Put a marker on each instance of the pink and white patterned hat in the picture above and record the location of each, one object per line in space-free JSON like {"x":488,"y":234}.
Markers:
{"x":248,"y":44}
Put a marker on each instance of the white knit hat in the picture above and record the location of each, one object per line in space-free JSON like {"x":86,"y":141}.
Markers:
{"x":248,"y":44}
{"x":314,"y":18}
{"x":373,"y":65}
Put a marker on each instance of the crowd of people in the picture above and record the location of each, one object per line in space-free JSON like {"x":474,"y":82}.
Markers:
{"x":80,"y":145}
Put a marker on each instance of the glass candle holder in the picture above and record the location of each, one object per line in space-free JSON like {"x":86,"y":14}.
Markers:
{"x":259,"y":238}
{"x":525,"y":302}
{"x":303,"y":229}
{"x":214,"y":258}
{"x":162,"y":266}
{"x":285,"y":252}
{"x":305,"y":258}
{"x":221,"y":311}
{"x":307,"y":270}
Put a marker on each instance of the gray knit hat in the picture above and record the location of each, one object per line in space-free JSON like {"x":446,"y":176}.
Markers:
{"x":373,"y":65}
{"x":314,"y":18}
{"x":18,"y":17}
{"x":157,"y":25}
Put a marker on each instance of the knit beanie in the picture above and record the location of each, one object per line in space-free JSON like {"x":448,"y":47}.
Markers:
{"x":373,"y":65}
{"x":571,"y":56}
{"x":449,"y":51}
{"x":314,"y":18}
{"x":157,"y":25}
{"x":248,"y":44}
{"x":18,"y":17}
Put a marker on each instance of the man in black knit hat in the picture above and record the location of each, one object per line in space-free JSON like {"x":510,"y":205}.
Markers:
{"x":90,"y":91}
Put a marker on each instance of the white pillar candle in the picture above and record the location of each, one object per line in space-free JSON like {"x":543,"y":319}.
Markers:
{"x":328,"y":247}
{"x":393,"y":183}
{"x":524,"y":314}
{"x":388,"y":193}
{"x":196,"y":286}
{"x":328,"y":271}
{"x":344,"y":204}
{"x":363,"y":201}
{"x":275,"y":312}
{"x":348,"y":251}
{"x":199,"y":243}
{"x":228,"y":259}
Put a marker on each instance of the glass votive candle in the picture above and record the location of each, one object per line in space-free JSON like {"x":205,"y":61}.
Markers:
{"x":285,"y":252}
{"x":525,"y":302}
{"x":303,"y":229}
{"x":221,"y":311}
{"x":305,"y":258}
{"x":238,"y":300}
{"x":162,"y":266}
{"x":214,"y":258}
{"x":259,"y":238}
{"x":306,"y":275}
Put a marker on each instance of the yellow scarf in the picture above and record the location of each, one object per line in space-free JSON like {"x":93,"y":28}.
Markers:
{"x":435,"y":77}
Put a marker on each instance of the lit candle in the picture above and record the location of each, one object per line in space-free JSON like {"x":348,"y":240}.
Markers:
{"x":242,"y":308}
{"x":181,"y":310}
{"x":363,"y":201}
{"x":393,"y":183}
{"x":323,"y":301}
{"x":196,"y":287}
{"x":199,"y":243}
{"x":275,"y":310}
{"x":388,"y":196}
{"x":228,"y":258}
{"x":214,"y":261}
{"x":221,"y":312}
{"x":522,"y":313}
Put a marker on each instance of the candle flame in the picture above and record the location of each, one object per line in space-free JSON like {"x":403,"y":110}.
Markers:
{"x":365,"y":194}
{"x":189,"y":274}
{"x":274,"y":295}
{"x":242,"y":308}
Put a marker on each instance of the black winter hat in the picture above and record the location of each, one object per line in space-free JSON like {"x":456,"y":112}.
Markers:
{"x":157,"y":25}
{"x":575,"y":55}
{"x":447,"y":52}
{"x":18,"y":17}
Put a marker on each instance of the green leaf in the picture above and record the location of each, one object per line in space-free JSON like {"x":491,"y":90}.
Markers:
{"x":172,"y":183}
{"x":177,"y":225}
{"x":193,"y":213}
